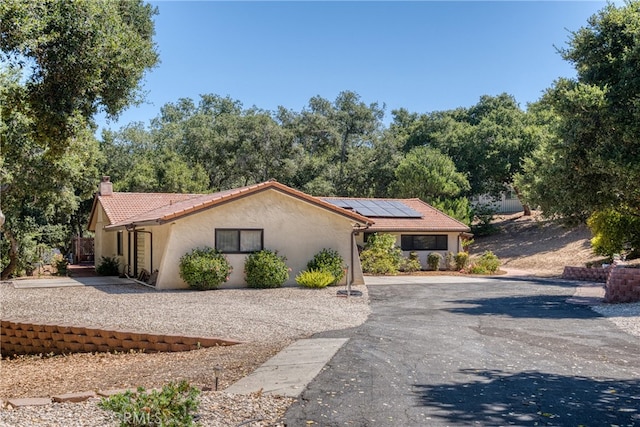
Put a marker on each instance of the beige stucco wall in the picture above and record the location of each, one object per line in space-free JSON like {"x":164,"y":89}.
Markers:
{"x":293,"y":227}
{"x":104,"y":242}
{"x":453,"y":244}
{"x":154,"y":247}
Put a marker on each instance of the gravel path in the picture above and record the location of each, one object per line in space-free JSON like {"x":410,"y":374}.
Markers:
{"x":254,"y":315}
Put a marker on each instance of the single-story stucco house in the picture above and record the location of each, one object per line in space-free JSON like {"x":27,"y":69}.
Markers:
{"x":149,"y":232}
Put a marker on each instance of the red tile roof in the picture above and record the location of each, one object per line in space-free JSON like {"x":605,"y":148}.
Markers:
{"x":432,"y":219}
{"x":121,"y":206}
{"x":124,"y":209}
{"x":155,"y":208}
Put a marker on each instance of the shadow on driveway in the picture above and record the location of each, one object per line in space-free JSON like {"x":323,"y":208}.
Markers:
{"x":526,"y":306}
{"x":495,"y":397}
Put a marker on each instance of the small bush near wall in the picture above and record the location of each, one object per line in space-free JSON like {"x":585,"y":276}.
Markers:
{"x":450,"y":261}
{"x":109,"y":266}
{"x":328,"y":260}
{"x":411,"y":263}
{"x":488,"y":263}
{"x":380,"y":255}
{"x":433,"y":260}
{"x":204,"y":268}
{"x":315,"y":279}
{"x":266,"y":269}
{"x":462,"y":260}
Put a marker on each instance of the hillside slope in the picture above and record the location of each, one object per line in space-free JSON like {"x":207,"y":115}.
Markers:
{"x":538,"y":246}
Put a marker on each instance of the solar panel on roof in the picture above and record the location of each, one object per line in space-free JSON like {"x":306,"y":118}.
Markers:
{"x":376,"y":208}
{"x":339,"y":202}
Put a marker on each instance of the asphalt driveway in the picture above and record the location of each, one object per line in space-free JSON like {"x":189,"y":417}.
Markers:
{"x":482,"y":352}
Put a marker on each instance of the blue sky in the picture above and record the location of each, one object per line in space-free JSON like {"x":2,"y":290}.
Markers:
{"x":423,"y":56}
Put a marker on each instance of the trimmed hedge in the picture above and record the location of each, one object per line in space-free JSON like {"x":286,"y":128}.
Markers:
{"x":204,"y":268}
{"x":266,"y":269}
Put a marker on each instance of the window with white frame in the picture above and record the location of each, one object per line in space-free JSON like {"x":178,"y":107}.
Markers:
{"x":239,"y":240}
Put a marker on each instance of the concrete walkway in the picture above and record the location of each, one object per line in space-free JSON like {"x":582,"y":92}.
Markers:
{"x":62,"y":282}
{"x":288,"y":372}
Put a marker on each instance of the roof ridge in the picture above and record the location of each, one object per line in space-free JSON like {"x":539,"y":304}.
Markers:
{"x":166,"y":212}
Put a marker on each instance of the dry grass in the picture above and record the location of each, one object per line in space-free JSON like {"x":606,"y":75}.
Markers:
{"x":539,"y":246}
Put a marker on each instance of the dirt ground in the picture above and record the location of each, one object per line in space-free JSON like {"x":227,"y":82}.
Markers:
{"x":42,"y":376}
{"x":537,"y":245}
{"x":533,"y":244}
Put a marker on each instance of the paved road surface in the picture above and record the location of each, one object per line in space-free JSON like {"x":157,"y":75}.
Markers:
{"x":482,"y":352}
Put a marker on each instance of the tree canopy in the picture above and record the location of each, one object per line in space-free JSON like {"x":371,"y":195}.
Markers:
{"x":76,"y":57}
{"x":486,"y":141}
{"x":591,"y":161}
{"x":60,"y":63}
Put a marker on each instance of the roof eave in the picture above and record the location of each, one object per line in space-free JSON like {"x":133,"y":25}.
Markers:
{"x":129,"y":225}
{"x":420,"y":229}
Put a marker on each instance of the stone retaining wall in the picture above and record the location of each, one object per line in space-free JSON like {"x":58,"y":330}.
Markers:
{"x":598,"y":274}
{"x":623,"y":285}
{"x":19,"y":337}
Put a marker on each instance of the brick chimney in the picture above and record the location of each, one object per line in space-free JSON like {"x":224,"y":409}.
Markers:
{"x":106,"y":187}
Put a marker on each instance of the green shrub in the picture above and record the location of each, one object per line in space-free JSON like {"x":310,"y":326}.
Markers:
{"x":489,"y":261}
{"x":614,"y":232}
{"x":61,"y":264}
{"x":450,"y":261}
{"x":266,"y":269}
{"x":477,"y":269}
{"x":173,"y":406}
{"x":204,"y":268}
{"x":328,"y":260}
{"x":410,"y":263}
{"x":380,"y":255}
{"x":433,"y":261}
{"x":109,"y":266}
{"x":482,"y":220}
{"x":462,"y":260}
{"x":315,"y":279}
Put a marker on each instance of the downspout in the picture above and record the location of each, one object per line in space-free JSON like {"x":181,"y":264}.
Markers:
{"x":133,"y":249}
{"x":129,"y":244}
{"x":351,"y":276}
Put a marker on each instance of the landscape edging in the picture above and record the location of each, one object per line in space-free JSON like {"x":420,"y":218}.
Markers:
{"x":22,"y":338}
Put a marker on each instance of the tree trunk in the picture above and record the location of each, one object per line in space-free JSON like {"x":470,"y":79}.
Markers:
{"x":13,"y":256}
{"x":525,"y":207}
